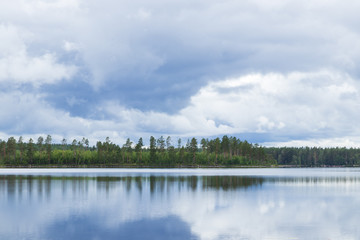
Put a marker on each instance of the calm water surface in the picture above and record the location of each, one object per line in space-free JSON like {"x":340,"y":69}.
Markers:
{"x":180,"y":204}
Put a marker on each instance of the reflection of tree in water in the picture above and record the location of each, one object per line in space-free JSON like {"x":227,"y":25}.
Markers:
{"x":227,"y":183}
{"x":311,"y":180}
{"x":160,"y":184}
{"x":43,"y":185}
{"x":40,"y":187}
{"x":17,"y":187}
{"x":203,"y":182}
{"x":138,"y":183}
{"x":11,"y":187}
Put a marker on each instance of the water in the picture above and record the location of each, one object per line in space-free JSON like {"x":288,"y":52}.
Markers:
{"x":180,"y":204}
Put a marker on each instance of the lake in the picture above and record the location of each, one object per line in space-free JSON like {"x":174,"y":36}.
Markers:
{"x":312,"y":203}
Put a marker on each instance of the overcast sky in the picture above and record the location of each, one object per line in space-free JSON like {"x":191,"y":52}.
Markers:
{"x":273,"y":72}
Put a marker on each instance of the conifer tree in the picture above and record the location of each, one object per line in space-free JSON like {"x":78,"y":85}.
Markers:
{"x":30,"y":151}
{"x":48,"y":147}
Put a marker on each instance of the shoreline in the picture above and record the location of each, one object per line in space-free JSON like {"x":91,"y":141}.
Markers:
{"x":163,"y":167}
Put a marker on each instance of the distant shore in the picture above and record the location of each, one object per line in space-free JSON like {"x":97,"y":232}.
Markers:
{"x":168,"y":167}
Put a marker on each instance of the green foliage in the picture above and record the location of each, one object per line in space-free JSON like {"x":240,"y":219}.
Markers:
{"x":48,"y":147}
{"x":11,"y":150}
{"x":315,"y":157}
{"x":30,"y":151}
{"x":226,"y":152}
{"x":152,"y":150}
{"x":138,"y":150}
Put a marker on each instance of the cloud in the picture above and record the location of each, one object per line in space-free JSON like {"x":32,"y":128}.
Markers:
{"x":290,"y":109}
{"x":70,"y":46}
{"x":260,"y":212}
{"x":293,"y":104}
{"x":188,"y":69}
{"x":302,"y":106}
{"x":30,"y":116}
{"x":36,"y":70}
{"x":18,"y":67}
{"x":162,"y":53}
{"x":344,"y":141}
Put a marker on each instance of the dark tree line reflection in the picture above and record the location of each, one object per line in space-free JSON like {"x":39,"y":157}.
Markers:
{"x":42,"y":186}
{"x":30,"y":186}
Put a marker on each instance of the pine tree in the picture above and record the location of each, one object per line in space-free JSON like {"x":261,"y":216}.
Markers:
{"x":193,"y":148}
{"x":138,"y":150}
{"x":40,"y":142}
{"x":48,"y":147}
{"x":21,"y":147}
{"x":30,"y":151}
{"x":152,"y":149}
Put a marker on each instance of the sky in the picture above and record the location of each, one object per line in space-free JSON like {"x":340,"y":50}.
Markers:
{"x":278,"y":73}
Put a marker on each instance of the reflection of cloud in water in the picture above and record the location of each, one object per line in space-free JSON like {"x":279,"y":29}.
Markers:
{"x":210,"y":207}
{"x":87,"y":227}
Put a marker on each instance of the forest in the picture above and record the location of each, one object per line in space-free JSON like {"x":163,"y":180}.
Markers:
{"x":315,"y":156}
{"x":219,"y":152}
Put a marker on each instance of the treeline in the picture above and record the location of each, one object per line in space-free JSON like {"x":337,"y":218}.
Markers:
{"x":315,"y":157}
{"x":161,"y":152}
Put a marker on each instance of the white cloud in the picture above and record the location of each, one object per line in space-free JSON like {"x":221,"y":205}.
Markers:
{"x":141,"y":14}
{"x":135,"y":39}
{"x":150,"y":44}
{"x":343,"y":141}
{"x":29,"y":115}
{"x":294,"y":104}
{"x":21,"y":68}
{"x":41,"y":5}
{"x":70,"y":46}
{"x":317,"y":108}
{"x":17,"y":66}
{"x":211,"y":213}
